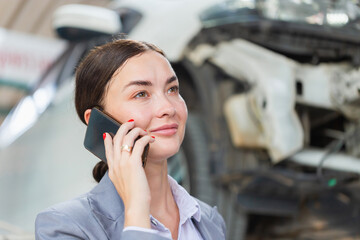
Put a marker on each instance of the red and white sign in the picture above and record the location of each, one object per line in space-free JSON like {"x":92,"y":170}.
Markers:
{"x":24,"y":57}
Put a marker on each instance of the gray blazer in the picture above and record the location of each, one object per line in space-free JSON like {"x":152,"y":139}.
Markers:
{"x":99,"y":214}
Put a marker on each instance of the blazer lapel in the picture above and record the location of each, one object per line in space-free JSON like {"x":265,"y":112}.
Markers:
{"x":210,"y":224}
{"x":207,"y":229}
{"x":107,"y":207}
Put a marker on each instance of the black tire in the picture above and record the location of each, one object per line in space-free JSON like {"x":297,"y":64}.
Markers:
{"x":190,"y":166}
{"x":195,"y":149}
{"x":196,"y":152}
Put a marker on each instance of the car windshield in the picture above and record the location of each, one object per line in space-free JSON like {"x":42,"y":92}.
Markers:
{"x":322,"y":12}
{"x":334,"y":13}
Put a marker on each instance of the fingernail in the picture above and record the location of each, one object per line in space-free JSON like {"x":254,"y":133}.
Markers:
{"x":153,"y":137}
{"x":104,"y":136}
{"x":131,"y":120}
{"x":145,"y":130}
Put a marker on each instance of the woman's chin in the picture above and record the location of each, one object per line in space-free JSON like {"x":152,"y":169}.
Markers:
{"x":156,"y":154}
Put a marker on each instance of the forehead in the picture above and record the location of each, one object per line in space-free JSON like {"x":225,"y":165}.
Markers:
{"x":149,"y":65}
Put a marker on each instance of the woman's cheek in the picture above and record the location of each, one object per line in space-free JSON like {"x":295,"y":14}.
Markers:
{"x":183,"y":111}
{"x":143,"y":119}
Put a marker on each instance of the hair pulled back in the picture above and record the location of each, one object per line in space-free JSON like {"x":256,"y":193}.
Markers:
{"x":96,"y":71}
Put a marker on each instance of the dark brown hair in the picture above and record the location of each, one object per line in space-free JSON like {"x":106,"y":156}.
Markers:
{"x":95,"y":72}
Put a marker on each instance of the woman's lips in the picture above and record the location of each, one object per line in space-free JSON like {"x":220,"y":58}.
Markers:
{"x":165,"y":130}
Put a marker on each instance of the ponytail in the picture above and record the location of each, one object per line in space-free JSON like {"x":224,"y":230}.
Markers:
{"x":100,"y":170}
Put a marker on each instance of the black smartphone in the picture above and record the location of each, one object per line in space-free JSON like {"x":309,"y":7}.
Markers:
{"x":99,"y":123}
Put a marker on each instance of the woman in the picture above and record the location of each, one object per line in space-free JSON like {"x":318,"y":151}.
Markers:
{"x":135,"y":83}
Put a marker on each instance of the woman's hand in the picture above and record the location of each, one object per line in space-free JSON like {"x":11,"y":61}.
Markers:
{"x":127,"y":174}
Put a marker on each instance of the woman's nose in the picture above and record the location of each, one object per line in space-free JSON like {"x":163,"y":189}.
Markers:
{"x":165,"y":107}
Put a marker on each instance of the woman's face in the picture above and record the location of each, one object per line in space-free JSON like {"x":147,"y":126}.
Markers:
{"x":146,"y":89}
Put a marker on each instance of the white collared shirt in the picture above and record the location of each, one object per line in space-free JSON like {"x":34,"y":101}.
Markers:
{"x":188,"y":209}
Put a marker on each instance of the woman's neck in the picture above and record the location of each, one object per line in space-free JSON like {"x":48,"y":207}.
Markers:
{"x":162,"y":200}
{"x":163,"y":206}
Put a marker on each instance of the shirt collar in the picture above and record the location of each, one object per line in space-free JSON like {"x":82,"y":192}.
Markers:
{"x":188,"y":206}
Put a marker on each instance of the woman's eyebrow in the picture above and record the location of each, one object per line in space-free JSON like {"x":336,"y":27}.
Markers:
{"x":138,"y":83}
{"x":171,"y":79}
{"x":148,"y":83}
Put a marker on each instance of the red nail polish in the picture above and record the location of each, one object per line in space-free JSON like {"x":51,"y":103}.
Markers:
{"x":145,"y":130}
{"x":153,"y":137}
{"x":131,"y":120}
{"x":104,"y":136}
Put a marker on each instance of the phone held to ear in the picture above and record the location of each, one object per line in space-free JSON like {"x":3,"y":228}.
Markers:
{"x":99,"y":123}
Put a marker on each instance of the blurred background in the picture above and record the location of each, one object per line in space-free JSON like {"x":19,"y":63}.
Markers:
{"x":272,"y":88}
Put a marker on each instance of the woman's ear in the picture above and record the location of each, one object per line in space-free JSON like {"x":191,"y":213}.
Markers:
{"x":87,"y":115}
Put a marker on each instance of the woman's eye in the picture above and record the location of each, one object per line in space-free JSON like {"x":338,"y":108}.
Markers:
{"x":141,"y":95}
{"x":174,"y":89}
